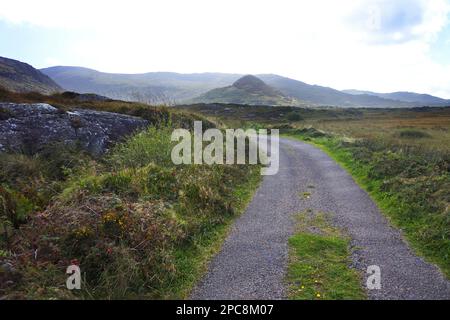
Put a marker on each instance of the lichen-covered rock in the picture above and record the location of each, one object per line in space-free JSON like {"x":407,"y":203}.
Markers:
{"x":28,"y":127}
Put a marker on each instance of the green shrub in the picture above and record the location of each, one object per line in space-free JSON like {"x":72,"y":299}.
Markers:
{"x":161,"y":183}
{"x":119,"y":183}
{"x":18,"y":167}
{"x":14,"y":207}
{"x":150,"y":146}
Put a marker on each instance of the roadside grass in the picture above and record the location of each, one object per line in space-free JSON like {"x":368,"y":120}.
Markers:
{"x":137,"y":225}
{"x":410,"y":184}
{"x":191,"y":261}
{"x":319,"y":263}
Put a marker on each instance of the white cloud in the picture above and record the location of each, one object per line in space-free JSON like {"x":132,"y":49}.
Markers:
{"x":390,"y":22}
{"x":325,"y":42}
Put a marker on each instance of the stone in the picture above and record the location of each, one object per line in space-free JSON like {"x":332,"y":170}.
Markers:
{"x":29,"y":127}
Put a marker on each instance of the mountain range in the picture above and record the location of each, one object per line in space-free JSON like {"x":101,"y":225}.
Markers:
{"x":16,"y":76}
{"x":175,"y":88}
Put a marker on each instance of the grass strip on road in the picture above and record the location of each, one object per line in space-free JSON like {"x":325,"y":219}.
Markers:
{"x":320,"y":263}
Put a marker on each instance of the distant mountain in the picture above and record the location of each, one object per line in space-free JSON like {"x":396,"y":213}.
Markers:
{"x":20,"y":77}
{"x":424,"y":99}
{"x":154,"y":87}
{"x":247,"y":90}
{"x":175,"y":88}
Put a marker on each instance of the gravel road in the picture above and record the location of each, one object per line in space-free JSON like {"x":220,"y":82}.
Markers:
{"x":253,"y":259}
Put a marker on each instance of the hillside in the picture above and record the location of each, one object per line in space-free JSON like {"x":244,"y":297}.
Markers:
{"x":247,"y":90}
{"x":19,"y":77}
{"x":425,"y":99}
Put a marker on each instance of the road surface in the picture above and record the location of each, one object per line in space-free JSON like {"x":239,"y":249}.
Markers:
{"x":253,"y":259}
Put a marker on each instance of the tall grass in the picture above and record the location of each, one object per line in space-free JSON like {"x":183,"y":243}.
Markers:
{"x":150,"y":146}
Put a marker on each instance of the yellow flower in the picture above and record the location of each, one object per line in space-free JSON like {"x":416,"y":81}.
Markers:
{"x":318,"y":295}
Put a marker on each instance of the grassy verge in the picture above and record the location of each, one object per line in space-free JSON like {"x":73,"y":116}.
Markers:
{"x":137,"y":225}
{"x":319,"y":266}
{"x":192,"y":260}
{"x":411,"y":185}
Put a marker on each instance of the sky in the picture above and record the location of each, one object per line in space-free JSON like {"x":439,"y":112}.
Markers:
{"x":377,"y":45}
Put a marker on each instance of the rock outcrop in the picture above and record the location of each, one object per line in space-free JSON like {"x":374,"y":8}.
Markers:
{"x":29,"y":127}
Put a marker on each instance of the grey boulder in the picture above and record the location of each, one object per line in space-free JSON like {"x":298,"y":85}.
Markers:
{"x":29,"y":127}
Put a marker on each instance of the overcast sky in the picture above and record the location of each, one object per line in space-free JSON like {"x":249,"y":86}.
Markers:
{"x":378,"y":45}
